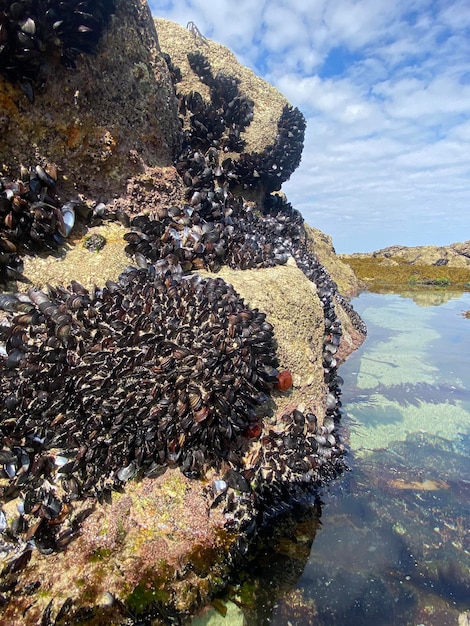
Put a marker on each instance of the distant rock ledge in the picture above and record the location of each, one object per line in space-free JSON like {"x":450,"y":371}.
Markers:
{"x":454,"y":255}
{"x":394,"y":266}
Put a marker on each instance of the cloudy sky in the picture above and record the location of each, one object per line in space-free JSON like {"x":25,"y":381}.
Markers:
{"x":385,"y":89}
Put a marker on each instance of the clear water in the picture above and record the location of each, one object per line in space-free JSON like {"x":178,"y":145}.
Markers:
{"x":389,"y":544}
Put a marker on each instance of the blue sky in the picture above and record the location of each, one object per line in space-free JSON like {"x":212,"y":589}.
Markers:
{"x":385,"y":89}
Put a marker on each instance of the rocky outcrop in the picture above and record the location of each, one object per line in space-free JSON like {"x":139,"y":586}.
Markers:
{"x":267,"y":102}
{"x":321,"y":245}
{"x":187,"y":194}
{"x":110,"y":119}
{"x":402,"y":267}
{"x":455,"y":255}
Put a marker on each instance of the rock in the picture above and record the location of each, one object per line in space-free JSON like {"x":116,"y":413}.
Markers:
{"x":111,"y":126}
{"x":103,"y":123}
{"x":263,"y":133}
{"x":462,"y":248}
{"x":322,"y":246}
{"x":268,"y":101}
{"x":402,"y":267}
{"x":455,"y":255}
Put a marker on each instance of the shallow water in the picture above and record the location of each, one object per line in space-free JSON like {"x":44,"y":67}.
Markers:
{"x":390,"y":542}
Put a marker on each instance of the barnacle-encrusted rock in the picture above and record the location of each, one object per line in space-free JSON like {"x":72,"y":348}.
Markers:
{"x":226,"y":107}
{"x":321,"y":245}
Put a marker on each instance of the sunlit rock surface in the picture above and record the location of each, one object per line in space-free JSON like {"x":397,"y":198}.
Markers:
{"x":111,"y":127}
{"x":453,"y":255}
{"x":413,"y":267}
{"x":111,"y":119}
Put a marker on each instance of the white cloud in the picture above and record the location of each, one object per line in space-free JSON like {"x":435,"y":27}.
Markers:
{"x":456,"y":15}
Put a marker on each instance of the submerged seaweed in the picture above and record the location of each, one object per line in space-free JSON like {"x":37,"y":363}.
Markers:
{"x":412,"y":394}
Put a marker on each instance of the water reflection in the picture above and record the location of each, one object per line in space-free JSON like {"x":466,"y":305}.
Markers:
{"x":430,"y":296}
{"x":394,"y":542}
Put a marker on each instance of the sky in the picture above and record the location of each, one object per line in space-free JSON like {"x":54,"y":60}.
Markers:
{"x":385,"y":89}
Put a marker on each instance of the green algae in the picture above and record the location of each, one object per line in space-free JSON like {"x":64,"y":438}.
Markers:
{"x":154,"y":587}
{"x":247,"y":593}
{"x":144,"y":595}
{"x":394,"y":272}
{"x":202,"y":558}
{"x":222,"y":612}
{"x":101,"y":554}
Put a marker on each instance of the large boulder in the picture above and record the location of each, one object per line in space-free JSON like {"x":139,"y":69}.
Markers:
{"x":147,"y":428}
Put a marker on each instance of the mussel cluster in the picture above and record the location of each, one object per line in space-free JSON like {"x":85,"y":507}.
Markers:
{"x":32,"y":218}
{"x":213,"y":233}
{"x":220,"y":121}
{"x":275,"y":164}
{"x":356,"y":319}
{"x":298,"y":453}
{"x":35,"y":220}
{"x":217,"y":227}
{"x":150,"y":371}
{"x":219,"y":124}
{"x":175,"y":72}
{"x":33,"y":31}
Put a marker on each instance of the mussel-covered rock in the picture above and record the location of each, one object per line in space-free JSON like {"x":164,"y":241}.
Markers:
{"x":32,"y":217}
{"x":275,"y":165}
{"x":150,"y":371}
{"x":214,"y":233}
{"x":33,"y":32}
{"x":35,"y":219}
{"x":160,"y":369}
{"x":219,"y":125}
